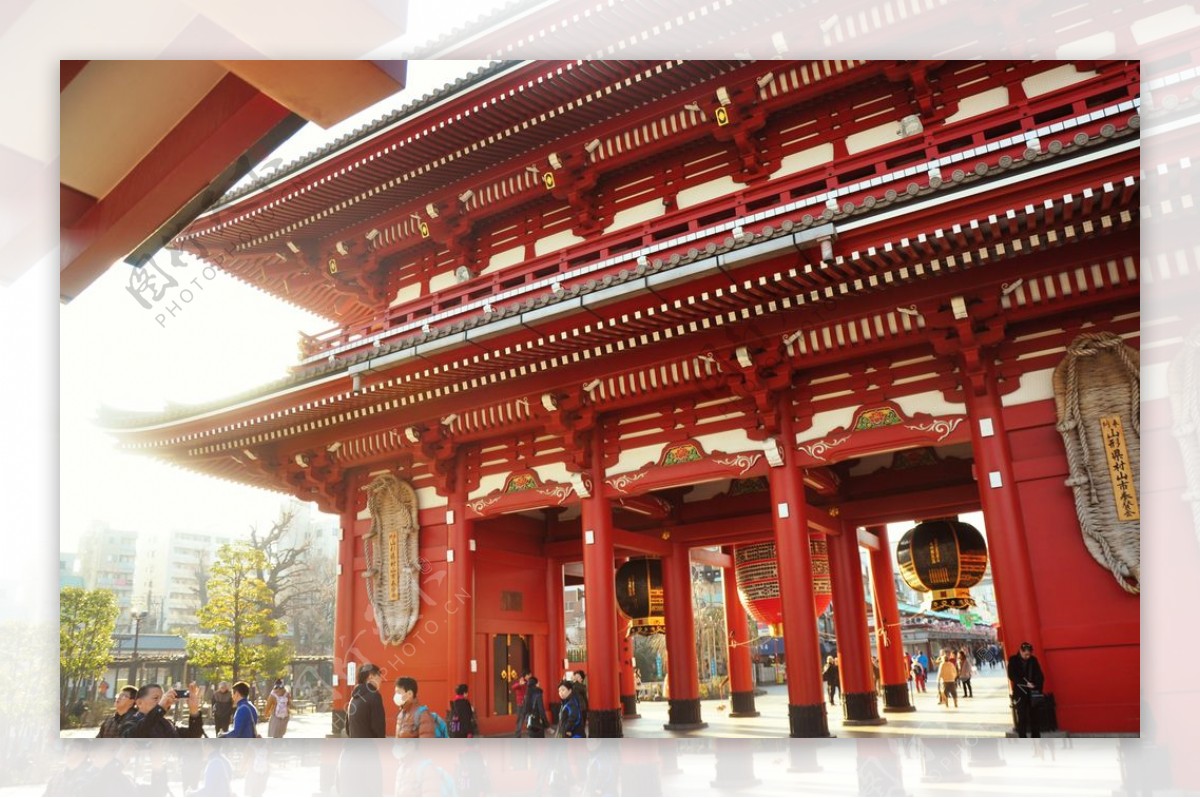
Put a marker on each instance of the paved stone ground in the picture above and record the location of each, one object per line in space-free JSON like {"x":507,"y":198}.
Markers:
{"x":933,"y":751}
{"x":985,"y":715}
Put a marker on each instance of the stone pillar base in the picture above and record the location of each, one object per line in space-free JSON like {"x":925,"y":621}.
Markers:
{"x":895,"y":698}
{"x":604,"y":723}
{"x":743,"y":705}
{"x":861,"y":709}
{"x":683,"y":714}
{"x":629,"y":707}
{"x":808,"y":720}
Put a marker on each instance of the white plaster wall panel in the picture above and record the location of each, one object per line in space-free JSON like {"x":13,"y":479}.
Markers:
{"x":502,"y":260}
{"x":407,"y":294}
{"x":553,"y":243}
{"x":930,"y":402}
{"x":633,"y":459}
{"x":980,"y":103}
{"x":439,"y":282}
{"x":805,"y":159}
{"x":429,"y":499}
{"x":827,"y":421}
{"x":872,"y":137}
{"x":1035,"y":386}
{"x":1057,"y":78}
{"x":487,"y":484}
{"x":729,"y":441}
{"x":642,"y":212}
{"x":713,"y":189}
{"x":553,"y":472}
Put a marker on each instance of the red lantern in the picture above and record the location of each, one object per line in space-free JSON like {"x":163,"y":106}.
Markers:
{"x":757,"y":571}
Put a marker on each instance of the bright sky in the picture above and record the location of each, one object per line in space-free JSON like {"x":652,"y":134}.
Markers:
{"x":228,"y":338}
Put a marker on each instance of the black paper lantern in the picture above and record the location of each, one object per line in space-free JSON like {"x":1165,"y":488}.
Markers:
{"x":944,"y":557}
{"x":640,"y":596}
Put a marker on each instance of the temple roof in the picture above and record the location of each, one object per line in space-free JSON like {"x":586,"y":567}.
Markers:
{"x":400,"y":344}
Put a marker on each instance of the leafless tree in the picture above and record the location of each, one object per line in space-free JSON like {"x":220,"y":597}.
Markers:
{"x":285,"y":561}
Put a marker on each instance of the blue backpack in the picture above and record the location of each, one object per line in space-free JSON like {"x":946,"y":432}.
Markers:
{"x":439,"y":725}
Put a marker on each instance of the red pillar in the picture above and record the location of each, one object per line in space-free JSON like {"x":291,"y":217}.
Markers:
{"x":460,"y":585}
{"x":627,"y":682}
{"x":806,"y":704}
{"x":1008,"y":552}
{"x":343,"y":614}
{"x":741,"y":669}
{"x":859,"y":704}
{"x":889,"y":646}
{"x":604,"y":700}
{"x":683,"y":710}
{"x":555,"y":635}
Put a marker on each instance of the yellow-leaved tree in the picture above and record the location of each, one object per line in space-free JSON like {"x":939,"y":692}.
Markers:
{"x":237,"y":620}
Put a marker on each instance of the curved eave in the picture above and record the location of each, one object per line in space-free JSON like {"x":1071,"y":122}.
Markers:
{"x":316,"y":405}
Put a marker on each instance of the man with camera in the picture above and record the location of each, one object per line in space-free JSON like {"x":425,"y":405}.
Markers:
{"x":1025,"y":676}
{"x":149,"y":718}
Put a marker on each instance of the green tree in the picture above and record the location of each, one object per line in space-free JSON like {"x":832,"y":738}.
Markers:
{"x":86,"y":619}
{"x":237,"y":617}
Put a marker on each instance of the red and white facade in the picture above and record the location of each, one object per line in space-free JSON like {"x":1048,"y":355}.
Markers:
{"x":594,"y":310}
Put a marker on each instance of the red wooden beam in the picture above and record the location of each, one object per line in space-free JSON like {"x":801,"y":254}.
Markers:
{"x":911,"y":505}
{"x":222,"y":127}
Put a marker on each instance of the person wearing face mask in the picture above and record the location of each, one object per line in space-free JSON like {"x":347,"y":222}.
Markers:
{"x":365,"y":714}
{"x":412,"y":721}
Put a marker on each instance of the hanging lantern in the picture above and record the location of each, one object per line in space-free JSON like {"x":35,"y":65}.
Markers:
{"x":945,"y":557}
{"x":640,"y":596}
{"x":757,"y":571}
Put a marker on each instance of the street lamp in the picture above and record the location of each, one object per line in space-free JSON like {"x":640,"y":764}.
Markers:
{"x":138,"y":617}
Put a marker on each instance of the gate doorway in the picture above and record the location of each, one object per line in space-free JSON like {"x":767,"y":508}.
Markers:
{"x":510,"y":659}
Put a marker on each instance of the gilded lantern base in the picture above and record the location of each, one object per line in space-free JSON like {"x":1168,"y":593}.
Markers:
{"x":653,"y":625}
{"x":956,"y":599}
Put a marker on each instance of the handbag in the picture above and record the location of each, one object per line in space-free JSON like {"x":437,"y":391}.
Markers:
{"x":1036,"y":698}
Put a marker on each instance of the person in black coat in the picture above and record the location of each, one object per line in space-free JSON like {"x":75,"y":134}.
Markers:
{"x":461,"y":717}
{"x":570,"y":717}
{"x":149,"y":718}
{"x":832,"y":679}
{"x":534,"y":709}
{"x":365,"y":716}
{"x":1025,"y":681}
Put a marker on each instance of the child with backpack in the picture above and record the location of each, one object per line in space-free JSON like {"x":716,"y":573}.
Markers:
{"x":415,"y":720}
{"x":461,"y":716}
